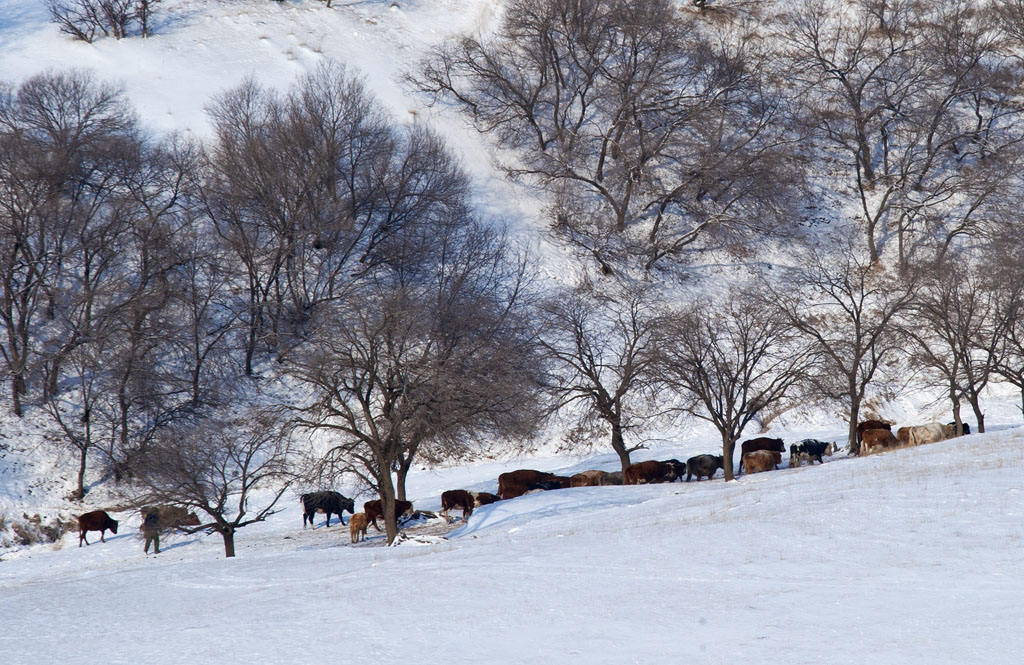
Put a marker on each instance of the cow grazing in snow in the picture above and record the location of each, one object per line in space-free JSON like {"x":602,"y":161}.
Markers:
{"x":653,"y":471}
{"x":704,"y":465}
{"x":516,"y":483}
{"x":329,"y":503}
{"x":877,"y":439}
{"x":374,"y":509}
{"x":97,"y":520}
{"x":930,"y":433}
{"x":587,"y":478}
{"x":809,"y":450}
{"x":865,"y":425}
{"x":484,"y":498}
{"x":761,"y":460}
{"x":761,"y":443}
{"x":460,"y":499}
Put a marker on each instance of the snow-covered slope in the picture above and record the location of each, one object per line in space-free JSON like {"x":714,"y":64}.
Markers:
{"x":903,"y":558}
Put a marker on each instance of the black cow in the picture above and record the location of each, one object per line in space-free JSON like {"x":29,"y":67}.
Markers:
{"x":326,"y":502}
{"x":545,"y":485}
{"x":704,"y":465}
{"x":967,"y":428}
{"x":809,"y":450}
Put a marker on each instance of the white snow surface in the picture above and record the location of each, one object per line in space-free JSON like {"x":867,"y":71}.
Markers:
{"x":896,"y":559}
{"x":901,"y":558}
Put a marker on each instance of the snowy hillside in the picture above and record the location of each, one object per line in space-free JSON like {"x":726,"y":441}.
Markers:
{"x":903,"y":558}
{"x":910,"y":557}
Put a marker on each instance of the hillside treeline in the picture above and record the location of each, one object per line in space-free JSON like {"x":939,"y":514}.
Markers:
{"x":175,"y":307}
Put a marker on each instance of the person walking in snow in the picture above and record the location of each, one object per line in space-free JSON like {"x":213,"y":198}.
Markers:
{"x":151,"y":530}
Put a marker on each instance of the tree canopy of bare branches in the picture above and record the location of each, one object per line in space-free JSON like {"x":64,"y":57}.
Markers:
{"x":603,"y":353}
{"x":846,"y":308}
{"x":917,"y":106}
{"x":234,"y":470}
{"x":733,"y":362}
{"x":651,"y":131}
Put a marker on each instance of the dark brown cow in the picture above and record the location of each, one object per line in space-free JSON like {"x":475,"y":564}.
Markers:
{"x":516,"y":483}
{"x":761,"y":443}
{"x":877,"y":438}
{"x":652,"y":471}
{"x":97,"y":520}
{"x":865,"y":425}
{"x":374,"y":509}
{"x":461,"y":499}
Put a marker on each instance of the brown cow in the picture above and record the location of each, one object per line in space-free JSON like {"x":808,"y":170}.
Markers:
{"x":97,"y":520}
{"x":877,"y":438}
{"x":903,"y":436}
{"x":865,"y":425}
{"x":760,"y":443}
{"x":374,"y":509}
{"x":587,"y":479}
{"x":357,"y":527}
{"x":761,"y":460}
{"x":652,"y":471}
{"x":457,"y":499}
{"x":516,"y":483}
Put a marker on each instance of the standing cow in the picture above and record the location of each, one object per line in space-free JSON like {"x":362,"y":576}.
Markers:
{"x":97,"y":520}
{"x":704,"y":465}
{"x":329,"y":503}
{"x":761,"y":443}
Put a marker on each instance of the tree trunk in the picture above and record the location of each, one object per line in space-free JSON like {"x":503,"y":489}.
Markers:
{"x":853,"y":443}
{"x":403,"y":471}
{"x":619,"y":445}
{"x":80,"y":493}
{"x":387,"y":501}
{"x":728,"y":448}
{"x":228,"y":534}
{"x":957,"y":420}
{"x":976,"y":406}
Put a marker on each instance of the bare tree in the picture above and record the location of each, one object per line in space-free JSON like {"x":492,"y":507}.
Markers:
{"x":650,"y":131}
{"x":298,"y":190}
{"x":846,"y":307}
{"x":430,"y":344}
{"x":233,"y":470}
{"x":61,"y":134}
{"x":603,"y":356}
{"x":959,"y":326}
{"x":916,"y":106}
{"x":734,"y":362}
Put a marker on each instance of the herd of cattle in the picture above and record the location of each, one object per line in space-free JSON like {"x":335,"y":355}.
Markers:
{"x":756,"y":456}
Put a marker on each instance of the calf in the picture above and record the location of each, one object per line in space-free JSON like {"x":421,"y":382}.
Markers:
{"x":704,"y":465}
{"x":809,"y":450}
{"x":877,"y":438}
{"x":761,"y":460}
{"x":97,"y":520}
{"x":357,"y":527}
{"x":325,"y":502}
{"x":484,"y":498}
{"x":457,"y":499}
{"x":374,"y":509}
{"x":761,"y":443}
